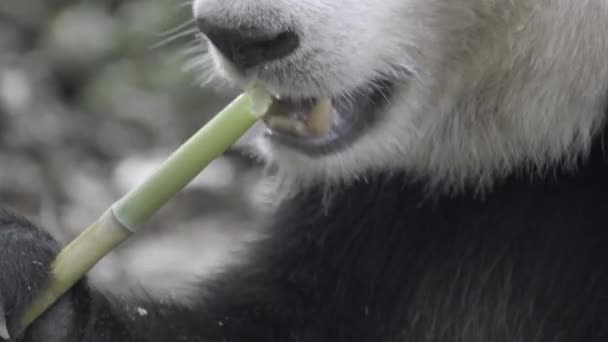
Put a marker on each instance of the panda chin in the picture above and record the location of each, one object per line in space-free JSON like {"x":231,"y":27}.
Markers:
{"x":321,"y":126}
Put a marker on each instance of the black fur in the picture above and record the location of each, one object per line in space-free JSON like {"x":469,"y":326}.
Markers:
{"x":528,"y":262}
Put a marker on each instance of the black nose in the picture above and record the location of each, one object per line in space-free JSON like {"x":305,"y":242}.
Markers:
{"x":249,"y":47}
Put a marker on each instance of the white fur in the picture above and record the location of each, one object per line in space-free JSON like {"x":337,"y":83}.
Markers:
{"x":487,"y":85}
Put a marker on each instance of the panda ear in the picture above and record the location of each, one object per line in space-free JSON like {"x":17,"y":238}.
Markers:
{"x":3,"y":328}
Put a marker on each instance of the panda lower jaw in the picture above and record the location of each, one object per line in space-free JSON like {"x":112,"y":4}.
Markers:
{"x":318,"y":127}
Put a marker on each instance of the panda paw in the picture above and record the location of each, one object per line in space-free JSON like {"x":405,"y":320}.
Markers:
{"x":26,"y":253}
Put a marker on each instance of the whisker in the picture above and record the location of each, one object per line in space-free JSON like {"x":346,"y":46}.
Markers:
{"x":174,"y":37}
{"x":177,"y":28}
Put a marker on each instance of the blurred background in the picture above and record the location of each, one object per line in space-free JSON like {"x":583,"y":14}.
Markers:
{"x":93,"y":95}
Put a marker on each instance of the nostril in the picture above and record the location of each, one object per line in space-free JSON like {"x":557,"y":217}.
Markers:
{"x":249,"y":47}
{"x":262,"y":50}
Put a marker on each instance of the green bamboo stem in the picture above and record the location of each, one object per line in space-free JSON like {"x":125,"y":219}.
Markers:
{"x":128,"y":214}
{"x":181,"y":167}
{"x":76,"y":259}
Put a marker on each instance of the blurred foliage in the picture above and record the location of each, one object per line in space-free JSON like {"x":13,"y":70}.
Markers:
{"x":93,"y":94}
{"x":102,"y":55}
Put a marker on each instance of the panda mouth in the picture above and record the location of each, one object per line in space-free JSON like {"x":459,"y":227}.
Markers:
{"x":318,"y":126}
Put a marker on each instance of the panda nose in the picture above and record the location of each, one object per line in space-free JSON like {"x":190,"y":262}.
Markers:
{"x":251,"y":46}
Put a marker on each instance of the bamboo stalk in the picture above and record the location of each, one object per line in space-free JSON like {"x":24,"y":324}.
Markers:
{"x":130,"y":212}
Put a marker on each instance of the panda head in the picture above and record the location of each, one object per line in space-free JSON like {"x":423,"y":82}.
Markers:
{"x":456,"y":94}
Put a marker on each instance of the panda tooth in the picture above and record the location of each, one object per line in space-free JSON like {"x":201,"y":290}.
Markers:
{"x":319,"y":120}
{"x":283,"y":123}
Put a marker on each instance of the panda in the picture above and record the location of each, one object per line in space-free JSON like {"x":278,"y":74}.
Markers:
{"x":439,"y":172}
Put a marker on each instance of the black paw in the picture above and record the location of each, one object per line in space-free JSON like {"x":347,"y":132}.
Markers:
{"x":26,"y":253}
{"x":4,"y":334}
